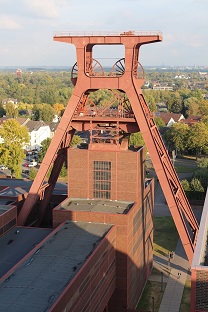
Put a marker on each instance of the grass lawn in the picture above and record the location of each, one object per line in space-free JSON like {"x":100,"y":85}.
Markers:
{"x":152,"y":289}
{"x":165,"y":235}
{"x":185,"y":302}
{"x":165,"y":239}
{"x":183,"y":169}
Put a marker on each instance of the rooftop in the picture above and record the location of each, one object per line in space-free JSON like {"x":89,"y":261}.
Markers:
{"x":96,"y":205}
{"x":60,"y":188}
{"x":19,"y":239}
{"x":53,"y":264}
{"x":4,"y":207}
{"x":12,"y":191}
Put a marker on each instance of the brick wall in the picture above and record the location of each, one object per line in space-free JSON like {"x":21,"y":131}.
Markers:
{"x":8,"y":220}
{"x":134,"y":247}
{"x":127,"y":174}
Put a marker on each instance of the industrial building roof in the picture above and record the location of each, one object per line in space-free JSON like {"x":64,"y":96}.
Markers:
{"x":16,"y":244}
{"x":96,"y":205}
{"x":3,"y":207}
{"x":40,"y":279}
{"x":60,"y":188}
{"x":12,"y":191}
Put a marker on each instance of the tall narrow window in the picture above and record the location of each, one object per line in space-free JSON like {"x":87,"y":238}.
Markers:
{"x":102,"y":179}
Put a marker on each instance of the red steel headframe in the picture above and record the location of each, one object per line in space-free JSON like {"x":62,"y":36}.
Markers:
{"x":86,"y":80}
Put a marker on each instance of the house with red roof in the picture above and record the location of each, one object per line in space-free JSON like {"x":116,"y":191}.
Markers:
{"x":170,"y":118}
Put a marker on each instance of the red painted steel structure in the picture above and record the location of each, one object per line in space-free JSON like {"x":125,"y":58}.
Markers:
{"x":127,"y":77}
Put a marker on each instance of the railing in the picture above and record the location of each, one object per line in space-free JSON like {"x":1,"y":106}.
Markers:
{"x":106,"y":33}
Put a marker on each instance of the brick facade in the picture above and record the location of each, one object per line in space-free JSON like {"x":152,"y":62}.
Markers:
{"x":134,"y":230}
{"x":8,"y":219}
{"x":127,"y":173}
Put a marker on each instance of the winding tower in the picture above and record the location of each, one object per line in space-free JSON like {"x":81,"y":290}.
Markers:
{"x":111,"y":125}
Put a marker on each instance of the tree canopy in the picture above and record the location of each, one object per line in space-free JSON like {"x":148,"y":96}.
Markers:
{"x":198,"y":138}
{"x":44,"y":112}
{"x":44,"y":146}
{"x":14,"y":138}
{"x":136,"y":139}
{"x":176,"y":136}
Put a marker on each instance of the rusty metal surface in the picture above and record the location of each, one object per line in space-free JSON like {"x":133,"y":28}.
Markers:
{"x":131,"y":114}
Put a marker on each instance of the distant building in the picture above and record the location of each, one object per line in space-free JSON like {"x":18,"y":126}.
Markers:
{"x":19,"y":73}
{"x":191,"y":120}
{"x":9,"y":100}
{"x":38,"y":131}
{"x":161,"y":86}
{"x":170,"y":118}
{"x":53,"y":126}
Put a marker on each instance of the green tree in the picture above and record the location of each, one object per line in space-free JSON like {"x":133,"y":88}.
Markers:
{"x":2,"y":111}
{"x":136,"y":139}
{"x":63,"y":172}
{"x":191,"y":106}
{"x":59,"y":108}
{"x":195,"y":185}
{"x":76,"y":140}
{"x":185,"y":185}
{"x":175,"y":103}
{"x":176,"y":136}
{"x":44,"y":146}
{"x":11,"y":111}
{"x":43,"y":112}
{"x":32,"y":173}
{"x":47,"y":113}
{"x":14,"y":138}
{"x":198,"y":138}
{"x":159,"y":122}
{"x":203,"y":108}
{"x":201,"y":173}
{"x":202,"y":163}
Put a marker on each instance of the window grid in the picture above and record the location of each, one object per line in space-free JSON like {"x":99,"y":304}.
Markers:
{"x":102,"y":179}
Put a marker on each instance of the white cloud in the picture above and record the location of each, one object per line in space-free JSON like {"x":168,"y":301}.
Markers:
{"x":45,"y":9}
{"x":9,"y":23}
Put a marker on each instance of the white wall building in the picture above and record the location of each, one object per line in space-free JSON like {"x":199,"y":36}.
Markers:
{"x":38,"y":131}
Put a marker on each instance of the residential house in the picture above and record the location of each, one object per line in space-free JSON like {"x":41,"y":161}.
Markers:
{"x":38,"y":131}
{"x":170,"y":118}
{"x":191,"y":120}
{"x":10,"y":100}
{"x":53,"y":126}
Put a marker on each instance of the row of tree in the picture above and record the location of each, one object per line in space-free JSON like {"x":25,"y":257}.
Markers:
{"x":197,"y":186}
{"x":36,"y":87}
{"x":183,"y":101}
{"x":41,"y":88}
{"x":44,"y":112}
{"x":183,"y":138}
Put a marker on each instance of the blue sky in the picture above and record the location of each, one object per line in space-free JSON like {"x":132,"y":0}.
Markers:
{"x":27,"y":27}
